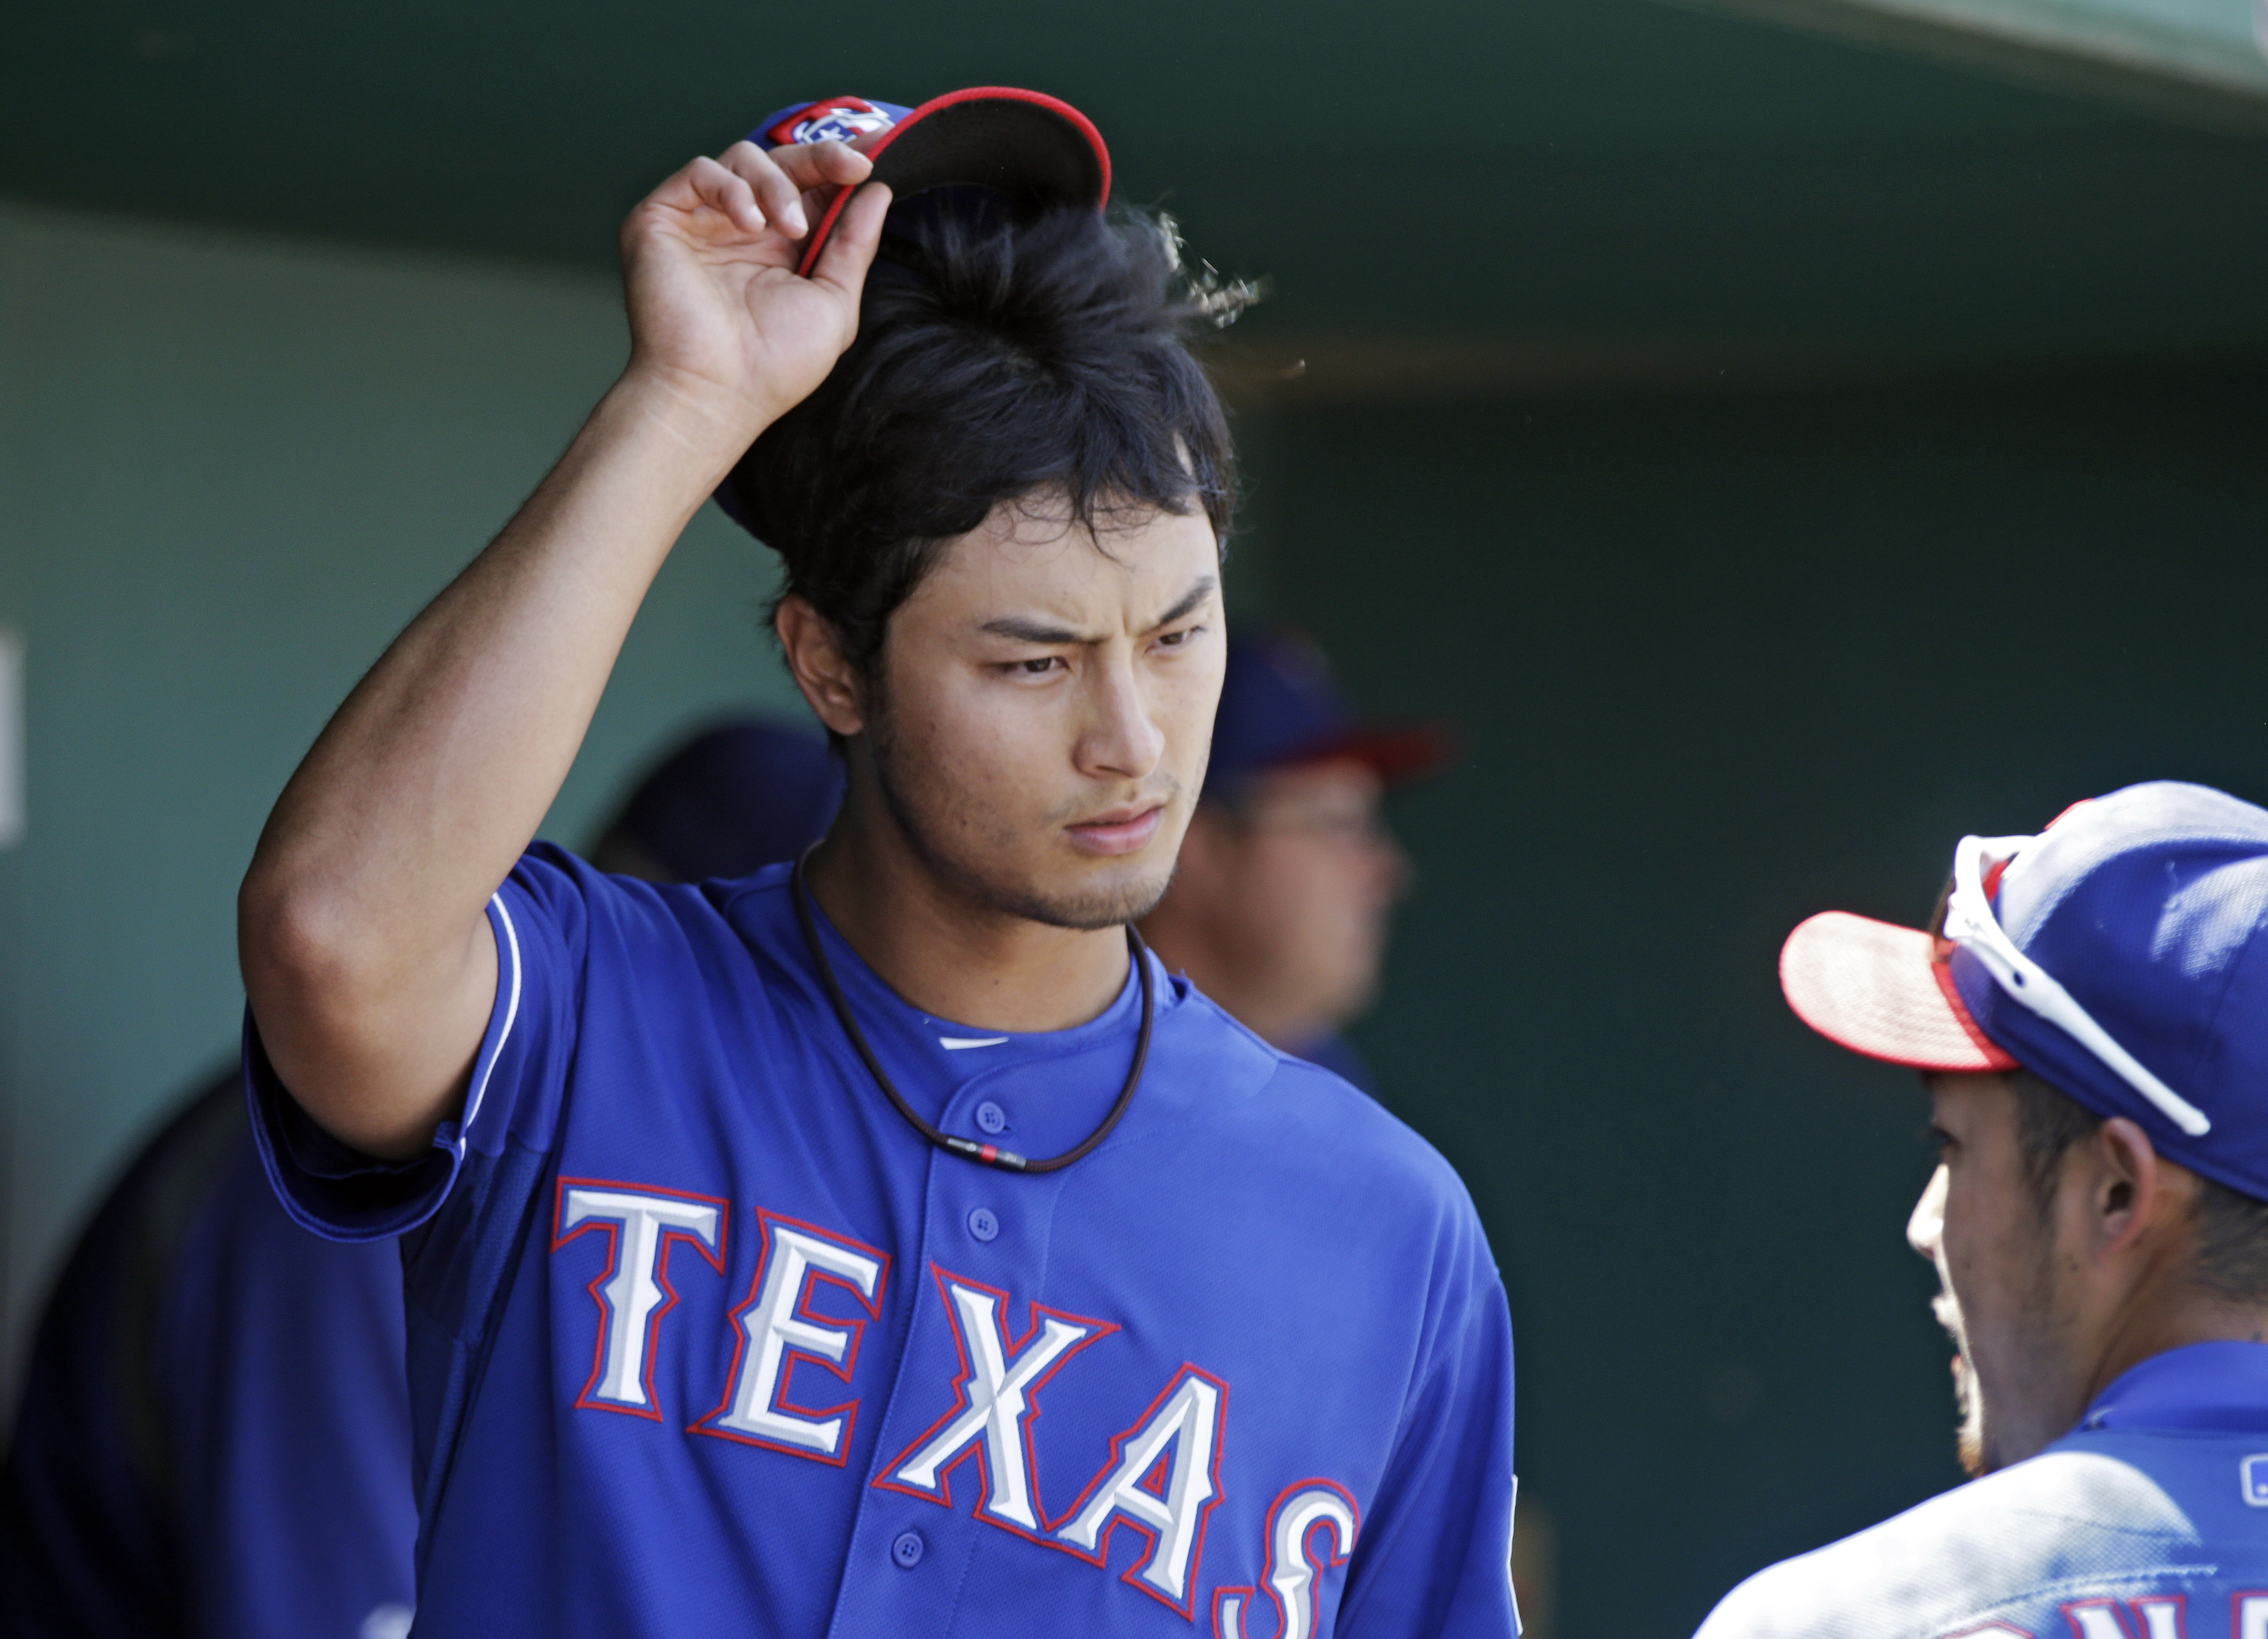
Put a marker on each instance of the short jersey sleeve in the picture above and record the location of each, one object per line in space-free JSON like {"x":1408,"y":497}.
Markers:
{"x":1434,"y":1555}
{"x":539,"y":918}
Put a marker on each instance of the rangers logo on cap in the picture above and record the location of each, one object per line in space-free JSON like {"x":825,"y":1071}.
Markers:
{"x":835,"y":120}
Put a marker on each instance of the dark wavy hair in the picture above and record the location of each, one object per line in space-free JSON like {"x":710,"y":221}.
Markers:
{"x":995,"y":361}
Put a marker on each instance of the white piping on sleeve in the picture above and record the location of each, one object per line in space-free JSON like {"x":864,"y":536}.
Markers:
{"x":511,"y":1013}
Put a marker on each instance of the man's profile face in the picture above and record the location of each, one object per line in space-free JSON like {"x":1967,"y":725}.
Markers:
{"x":1995,"y":1252}
{"x":1046,"y":710}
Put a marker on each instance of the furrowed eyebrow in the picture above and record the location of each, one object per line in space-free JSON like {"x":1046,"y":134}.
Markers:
{"x":1024,"y":630}
{"x":1028,"y":631}
{"x":1205,"y":586}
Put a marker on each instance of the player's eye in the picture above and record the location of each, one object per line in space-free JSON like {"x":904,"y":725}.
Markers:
{"x":1038,"y":667}
{"x":1178,"y":639}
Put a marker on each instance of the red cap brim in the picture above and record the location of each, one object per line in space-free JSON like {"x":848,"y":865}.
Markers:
{"x":1032,"y":147}
{"x":1882,"y":990}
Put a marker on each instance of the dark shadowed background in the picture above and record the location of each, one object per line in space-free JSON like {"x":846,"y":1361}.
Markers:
{"x":1781,"y":455}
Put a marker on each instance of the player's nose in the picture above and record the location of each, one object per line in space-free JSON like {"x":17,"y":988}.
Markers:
{"x":1122,"y":736}
{"x":1925,"y":1225}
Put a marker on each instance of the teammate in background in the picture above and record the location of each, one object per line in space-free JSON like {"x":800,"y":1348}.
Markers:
{"x":750,"y":1228}
{"x":740,"y":795}
{"x":214,"y":1434}
{"x":1280,"y":900}
{"x":213,"y":1438}
{"x":2090,"y":1015}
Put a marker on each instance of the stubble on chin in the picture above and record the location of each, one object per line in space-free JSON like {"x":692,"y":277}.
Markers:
{"x":1083,"y":911}
{"x":1969,"y":1445}
{"x":963,"y":844}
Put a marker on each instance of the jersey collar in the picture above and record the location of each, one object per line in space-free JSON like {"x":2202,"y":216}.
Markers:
{"x":2206,"y":1386}
{"x":933,"y":1059}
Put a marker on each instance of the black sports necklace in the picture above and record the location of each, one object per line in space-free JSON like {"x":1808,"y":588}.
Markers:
{"x":990,"y":1155}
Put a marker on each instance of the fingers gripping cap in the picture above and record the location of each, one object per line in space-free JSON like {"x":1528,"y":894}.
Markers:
{"x":988,"y":143}
{"x":1031,"y":149}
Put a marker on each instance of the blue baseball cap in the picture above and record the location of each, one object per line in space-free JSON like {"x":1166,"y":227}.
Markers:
{"x":1023,"y":148}
{"x":1280,"y":707}
{"x":736,"y":798}
{"x":2121,"y":955}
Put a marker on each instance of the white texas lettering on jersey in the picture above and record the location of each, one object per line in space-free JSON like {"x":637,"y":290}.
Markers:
{"x":1163,"y":1480}
{"x":998,"y":1382}
{"x":1299,"y":1511}
{"x":777,"y":1328}
{"x":633,"y":1292}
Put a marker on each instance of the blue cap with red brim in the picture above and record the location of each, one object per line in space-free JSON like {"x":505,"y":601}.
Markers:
{"x":2121,"y":955}
{"x":1281,"y":708}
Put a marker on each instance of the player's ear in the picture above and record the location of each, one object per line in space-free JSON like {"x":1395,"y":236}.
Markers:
{"x":822,"y":670}
{"x":2128,"y":1186}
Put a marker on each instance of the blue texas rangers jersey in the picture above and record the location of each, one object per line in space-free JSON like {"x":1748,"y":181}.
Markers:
{"x":2148,"y":1521}
{"x":705,"y":1337}
{"x":214,"y":1434}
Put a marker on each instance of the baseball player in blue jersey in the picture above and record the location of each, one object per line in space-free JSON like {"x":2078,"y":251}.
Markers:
{"x":2091,"y":1015}
{"x":1288,"y":875}
{"x":885,"y":1244}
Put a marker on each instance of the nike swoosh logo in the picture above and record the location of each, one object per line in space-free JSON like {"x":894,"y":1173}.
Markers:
{"x":955,"y":1044}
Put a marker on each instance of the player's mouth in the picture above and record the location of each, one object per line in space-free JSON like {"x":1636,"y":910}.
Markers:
{"x":1125,"y":830}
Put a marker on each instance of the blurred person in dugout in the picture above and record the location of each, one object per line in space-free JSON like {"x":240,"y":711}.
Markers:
{"x":1280,"y":904}
{"x":214,"y":1436}
{"x":2089,"y":1012}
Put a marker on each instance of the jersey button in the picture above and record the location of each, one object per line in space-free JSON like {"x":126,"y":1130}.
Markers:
{"x":991,"y":1118}
{"x":983,"y":1224}
{"x":908,"y":1549}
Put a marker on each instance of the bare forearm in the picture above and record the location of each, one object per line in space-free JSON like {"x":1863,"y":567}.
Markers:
{"x":366,"y":952}
{"x":363,"y":913}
